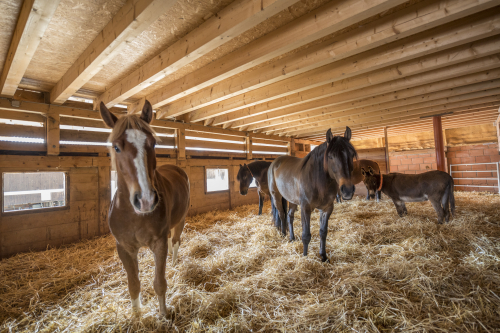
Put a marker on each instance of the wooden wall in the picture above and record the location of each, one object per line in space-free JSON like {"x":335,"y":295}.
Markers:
{"x":89,"y":187}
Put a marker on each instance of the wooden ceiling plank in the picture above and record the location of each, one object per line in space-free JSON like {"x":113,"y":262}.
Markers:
{"x":406,"y":104}
{"x":391,"y":78}
{"x":33,"y":20}
{"x":435,"y":40}
{"x":329,"y":18}
{"x":230,"y":22}
{"x":393,"y":121}
{"x":401,"y":24}
{"x":130,"y":21}
{"x":426,"y":92}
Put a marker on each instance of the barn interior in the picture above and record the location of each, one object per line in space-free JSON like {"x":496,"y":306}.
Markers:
{"x":231,"y":82}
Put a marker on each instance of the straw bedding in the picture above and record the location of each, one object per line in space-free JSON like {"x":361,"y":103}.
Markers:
{"x":235,"y":273}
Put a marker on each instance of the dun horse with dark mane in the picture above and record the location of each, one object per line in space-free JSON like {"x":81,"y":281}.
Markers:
{"x":313,"y":182}
{"x":150,"y":204}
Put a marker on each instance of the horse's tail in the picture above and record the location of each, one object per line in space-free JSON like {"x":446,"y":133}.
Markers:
{"x":452,"y":197}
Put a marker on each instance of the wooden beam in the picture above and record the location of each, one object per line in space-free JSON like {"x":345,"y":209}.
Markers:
{"x":434,"y":67}
{"x":457,"y":33}
{"x":497,"y":125}
{"x":248,"y":146}
{"x":406,"y":106}
{"x":386,"y":145}
{"x":53,"y":133}
{"x":180,"y":143}
{"x":230,"y":22}
{"x":130,"y":21}
{"x":33,"y":20}
{"x":456,"y":86}
{"x":395,"y":120}
{"x":401,"y":24}
{"x":325,"y":20}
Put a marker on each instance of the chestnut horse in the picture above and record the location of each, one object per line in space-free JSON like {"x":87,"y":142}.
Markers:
{"x":313,"y":182}
{"x":357,"y":176}
{"x":258,"y":170}
{"x":150,"y":204}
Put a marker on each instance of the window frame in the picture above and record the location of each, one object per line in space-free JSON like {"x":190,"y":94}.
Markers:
{"x":205,"y":168}
{"x":38,"y":210}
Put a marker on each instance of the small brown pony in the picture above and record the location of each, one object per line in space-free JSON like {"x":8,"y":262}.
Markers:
{"x":150,"y":204}
{"x":357,"y":176}
{"x":313,"y":182}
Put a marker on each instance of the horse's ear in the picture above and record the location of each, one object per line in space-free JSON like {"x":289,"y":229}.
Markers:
{"x":370,"y":169}
{"x":241,"y":166}
{"x":108,"y":118}
{"x":147,"y":112}
{"x":329,"y":136}
{"x":363,"y":172}
{"x":347,"y":133}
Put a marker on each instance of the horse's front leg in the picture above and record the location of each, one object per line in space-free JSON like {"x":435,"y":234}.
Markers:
{"x":129,"y":260}
{"x":305,"y":215}
{"x":261,"y":202}
{"x":323,"y":231}
{"x":159,"y":249}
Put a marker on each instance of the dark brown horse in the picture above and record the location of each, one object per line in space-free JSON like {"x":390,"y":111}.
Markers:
{"x":258,"y":170}
{"x":313,"y":182}
{"x":150,"y":204}
{"x":435,"y":186}
{"x":357,"y":177}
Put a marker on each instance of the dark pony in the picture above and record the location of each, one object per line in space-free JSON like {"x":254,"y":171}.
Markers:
{"x":258,"y":170}
{"x":313,"y":182}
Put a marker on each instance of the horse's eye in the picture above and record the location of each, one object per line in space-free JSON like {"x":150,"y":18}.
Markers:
{"x":330,"y":157}
{"x":117,"y":149}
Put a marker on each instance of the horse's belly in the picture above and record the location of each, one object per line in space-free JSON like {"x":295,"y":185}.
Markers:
{"x":415,"y":199}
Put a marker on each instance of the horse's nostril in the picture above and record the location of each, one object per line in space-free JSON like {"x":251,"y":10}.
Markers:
{"x":342,"y":188}
{"x":137,"y":203}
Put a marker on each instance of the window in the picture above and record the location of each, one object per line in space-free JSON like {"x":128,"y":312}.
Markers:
{"x":33,"y":190}
{"x":217,"y":179}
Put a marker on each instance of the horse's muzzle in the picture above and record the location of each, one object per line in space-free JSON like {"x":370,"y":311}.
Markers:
{"x":347,"y":192}
{"x":243,"y":192}
{"x":145,"y":204}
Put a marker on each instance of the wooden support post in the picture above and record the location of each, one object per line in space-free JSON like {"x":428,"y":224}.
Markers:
{"x":180,"y":143}
{"x":248,"y":146}
{"x":497,"y":125}
{"x":386,"y":144}
{"x":53,"y":133}
{"x":104,"y":199}
{"x":438,"y":143}
{"x":291,"y":147}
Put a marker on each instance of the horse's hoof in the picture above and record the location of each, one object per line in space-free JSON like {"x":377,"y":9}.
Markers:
{"x":292,"y":239}
{"x":325,"y":259}
{"x":168,"y":313}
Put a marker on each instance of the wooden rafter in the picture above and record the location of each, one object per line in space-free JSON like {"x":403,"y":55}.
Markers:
{"x":398,"y":25}
{"x":33,"y":20}
{"x":130,"y":21}
{"x":329,"y":18}
{"x":404,"y":50}
{"x":230,"y":22}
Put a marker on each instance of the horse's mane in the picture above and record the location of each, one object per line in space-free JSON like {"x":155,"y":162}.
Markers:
{"x":130,"y":121}
{"x":316,"y":154}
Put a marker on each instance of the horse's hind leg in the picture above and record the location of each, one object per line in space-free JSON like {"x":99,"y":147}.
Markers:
{"x":445,"y":202}
{"x":323,"y":231}
{"x":439,"y":210}
{"x":175,"y":241}
{"x":291,"y":215}
{"x":159,"y":249}
{"x":261,"y":202}
{"x":131,"y":265}
{"x":281,"y":212}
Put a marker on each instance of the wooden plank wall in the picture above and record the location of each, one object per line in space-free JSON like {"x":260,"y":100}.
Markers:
{"x":89,"y":186}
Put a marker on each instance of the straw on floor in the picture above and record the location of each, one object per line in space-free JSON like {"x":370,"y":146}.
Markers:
{"x":235,"y":273}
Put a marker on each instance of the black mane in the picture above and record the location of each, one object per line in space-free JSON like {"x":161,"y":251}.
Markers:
{"x":317,"y":155}
{"x":337,"y":146}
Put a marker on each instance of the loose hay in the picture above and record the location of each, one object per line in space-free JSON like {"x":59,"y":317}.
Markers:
{"x":235,"y":273}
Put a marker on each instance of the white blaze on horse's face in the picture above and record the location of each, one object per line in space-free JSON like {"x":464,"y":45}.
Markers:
{"x":144,"y":200}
